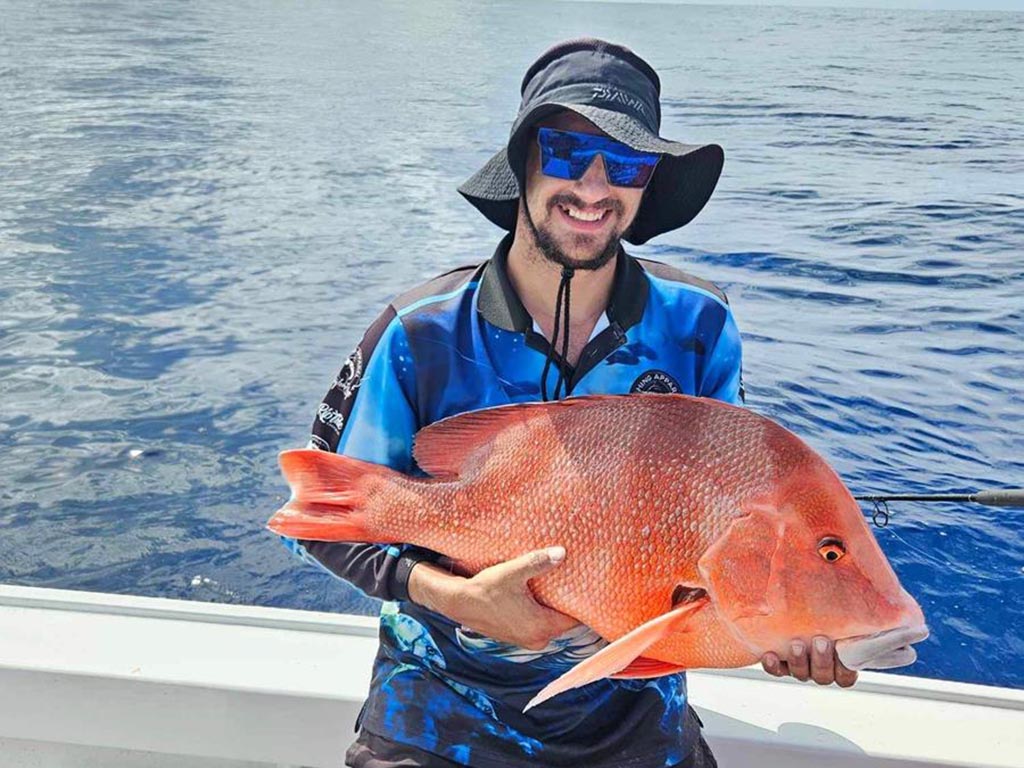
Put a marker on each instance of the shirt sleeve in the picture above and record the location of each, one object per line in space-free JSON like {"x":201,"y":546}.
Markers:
{"x":369,"y":414}
{"x":723,"y":369}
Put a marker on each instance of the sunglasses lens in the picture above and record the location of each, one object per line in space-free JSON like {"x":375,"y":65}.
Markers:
{"x":629,"y":174}
{"x":557,"y":156}
{"x":567,"y":155}
{"x":558,"y":168}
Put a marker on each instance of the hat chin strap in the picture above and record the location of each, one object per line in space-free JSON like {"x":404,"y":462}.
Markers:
{"x":562,"y":303}
{"x":561,"y":306}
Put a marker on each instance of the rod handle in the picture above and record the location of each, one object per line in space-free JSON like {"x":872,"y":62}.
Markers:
{"x":1006,"y":497}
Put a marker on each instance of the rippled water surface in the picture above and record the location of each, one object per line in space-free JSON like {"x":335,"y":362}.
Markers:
{"x":204,"y":204}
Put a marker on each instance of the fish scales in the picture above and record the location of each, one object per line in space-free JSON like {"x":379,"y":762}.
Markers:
{"x":563,"y":471}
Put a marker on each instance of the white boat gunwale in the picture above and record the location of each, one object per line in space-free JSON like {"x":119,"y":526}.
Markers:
{"x":223,"y":670}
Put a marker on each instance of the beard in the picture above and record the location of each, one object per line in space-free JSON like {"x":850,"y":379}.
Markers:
{"x":553,"y":252}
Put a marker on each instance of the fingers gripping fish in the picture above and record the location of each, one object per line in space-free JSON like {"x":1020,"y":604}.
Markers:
{"x":698,"y":534}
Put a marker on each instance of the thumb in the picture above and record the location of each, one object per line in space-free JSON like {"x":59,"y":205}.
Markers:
{"x":536,"y":563}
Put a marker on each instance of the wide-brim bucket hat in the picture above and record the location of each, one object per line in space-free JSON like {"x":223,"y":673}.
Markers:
{"x":620,"y":94}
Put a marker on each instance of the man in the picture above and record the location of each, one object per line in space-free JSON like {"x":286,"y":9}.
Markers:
{"x":560,"y":309}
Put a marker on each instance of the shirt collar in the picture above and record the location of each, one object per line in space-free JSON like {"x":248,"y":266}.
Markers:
{"x":500,"y":304}
{"x":602,"y":323}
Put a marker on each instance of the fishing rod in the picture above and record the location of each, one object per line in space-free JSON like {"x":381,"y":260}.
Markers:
{"x":999,"y":497}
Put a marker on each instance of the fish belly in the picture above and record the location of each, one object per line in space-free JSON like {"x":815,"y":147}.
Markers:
{"x":707,"y":643}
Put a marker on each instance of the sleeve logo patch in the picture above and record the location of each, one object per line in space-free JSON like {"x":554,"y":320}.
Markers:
{"x":351,"y":374}
{"x":657,"y":382}
{"x":330,"y":417}
{"x":318,"y":443}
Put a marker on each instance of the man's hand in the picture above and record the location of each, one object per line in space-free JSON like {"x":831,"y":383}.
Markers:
{"x":496,"y":602}
{"x":822,"y":665}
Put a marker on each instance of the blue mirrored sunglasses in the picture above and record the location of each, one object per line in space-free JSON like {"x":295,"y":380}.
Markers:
{"x":567,"y":155}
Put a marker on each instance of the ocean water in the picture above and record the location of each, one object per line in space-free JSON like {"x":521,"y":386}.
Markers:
{"x":203,"y":205}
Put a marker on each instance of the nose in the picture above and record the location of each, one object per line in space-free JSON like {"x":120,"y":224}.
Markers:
{"x":593,"y":184}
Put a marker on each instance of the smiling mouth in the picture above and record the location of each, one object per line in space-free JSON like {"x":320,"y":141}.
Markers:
{"x":583,"y":218}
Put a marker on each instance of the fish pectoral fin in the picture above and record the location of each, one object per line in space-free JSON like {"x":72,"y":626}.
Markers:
{"x":617,"y":656}
{"x":642,"y":667}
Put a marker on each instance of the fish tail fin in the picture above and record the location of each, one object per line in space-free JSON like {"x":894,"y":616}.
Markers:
{"x":329,"y":496}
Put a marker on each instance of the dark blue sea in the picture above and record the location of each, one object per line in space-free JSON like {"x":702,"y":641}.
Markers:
{"x":202,"y":206}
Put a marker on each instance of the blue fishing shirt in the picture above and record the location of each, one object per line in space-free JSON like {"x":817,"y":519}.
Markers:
{"x":462,"y":342}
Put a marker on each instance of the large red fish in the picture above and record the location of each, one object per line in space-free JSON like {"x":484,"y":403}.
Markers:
{"x":698,"y":534}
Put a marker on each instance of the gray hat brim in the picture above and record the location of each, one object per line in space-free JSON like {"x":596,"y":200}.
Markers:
{"x":681,"y":186}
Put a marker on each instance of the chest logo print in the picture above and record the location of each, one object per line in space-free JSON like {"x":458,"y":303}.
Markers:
{"x":656,"y":381}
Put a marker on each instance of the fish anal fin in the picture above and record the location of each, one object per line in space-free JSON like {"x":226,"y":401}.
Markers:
{"x":445,"y":448}
{"x":617,"y":656}
{"x":643,"y":667}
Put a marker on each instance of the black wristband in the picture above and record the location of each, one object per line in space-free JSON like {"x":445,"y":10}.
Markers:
{"x":406,"y":562}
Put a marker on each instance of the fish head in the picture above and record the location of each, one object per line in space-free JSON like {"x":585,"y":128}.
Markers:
{"x":802,"y":563}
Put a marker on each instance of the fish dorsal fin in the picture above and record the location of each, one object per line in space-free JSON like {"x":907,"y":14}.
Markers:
{"x":447,"y":447}
{"x":617,"y":656}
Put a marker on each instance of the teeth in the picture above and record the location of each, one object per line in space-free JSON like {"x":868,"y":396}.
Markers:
{"x":576,"y":213}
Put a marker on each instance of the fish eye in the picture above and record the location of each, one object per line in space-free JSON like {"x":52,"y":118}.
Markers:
{"x":831,"y":549}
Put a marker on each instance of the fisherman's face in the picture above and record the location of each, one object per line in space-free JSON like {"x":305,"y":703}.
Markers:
{"x":563,"y":210}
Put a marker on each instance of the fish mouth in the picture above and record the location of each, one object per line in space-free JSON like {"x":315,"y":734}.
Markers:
{"x":882,"y":650}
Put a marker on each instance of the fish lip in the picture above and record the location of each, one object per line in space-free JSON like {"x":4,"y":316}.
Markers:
{"x":886,"y":649}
